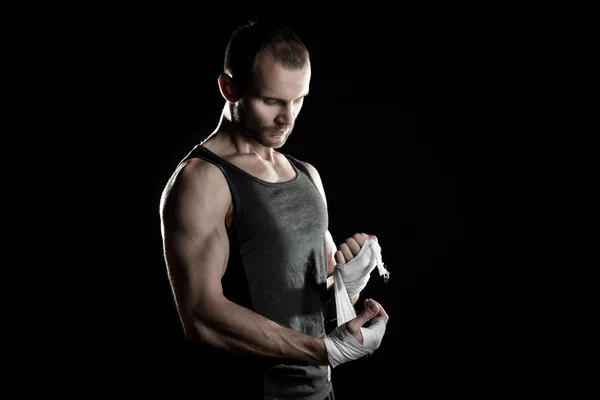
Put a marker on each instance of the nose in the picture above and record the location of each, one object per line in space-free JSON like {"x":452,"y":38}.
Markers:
{"x":286,"y":114}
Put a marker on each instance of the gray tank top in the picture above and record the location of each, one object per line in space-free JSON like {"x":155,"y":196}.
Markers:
{"x":277,"y":268}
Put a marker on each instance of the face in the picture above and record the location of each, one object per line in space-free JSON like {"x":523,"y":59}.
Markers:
{"x":272,"y":102}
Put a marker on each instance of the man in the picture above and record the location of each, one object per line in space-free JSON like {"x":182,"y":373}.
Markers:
{"x":246,"y":240}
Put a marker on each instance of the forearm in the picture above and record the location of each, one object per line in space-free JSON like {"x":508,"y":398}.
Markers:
{"x":236,"y":329}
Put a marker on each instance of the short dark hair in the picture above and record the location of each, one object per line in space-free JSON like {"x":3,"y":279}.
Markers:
{"x":250,"y":39}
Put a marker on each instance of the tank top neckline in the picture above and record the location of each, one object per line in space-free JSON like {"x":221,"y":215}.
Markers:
{"x":249,"y":175}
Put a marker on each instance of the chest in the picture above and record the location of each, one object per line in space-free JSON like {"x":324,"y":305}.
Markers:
{"x":291,"y":211}
{"x":273,"y":172}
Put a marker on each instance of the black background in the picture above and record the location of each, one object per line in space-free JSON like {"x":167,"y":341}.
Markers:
{"x":420,"y":138}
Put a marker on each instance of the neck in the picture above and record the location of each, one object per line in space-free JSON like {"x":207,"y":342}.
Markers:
{"x":230,"y":138}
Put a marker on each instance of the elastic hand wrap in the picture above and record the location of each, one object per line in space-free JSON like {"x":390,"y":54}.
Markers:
{"x":343,"y":347}
{"x":352,"y":277}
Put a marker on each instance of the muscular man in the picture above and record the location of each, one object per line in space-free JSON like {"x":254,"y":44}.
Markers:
{"x":246,"y":240}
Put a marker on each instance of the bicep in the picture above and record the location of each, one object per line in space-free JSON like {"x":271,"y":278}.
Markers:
{"x":196,"y":261}
{"x":195,"y":240}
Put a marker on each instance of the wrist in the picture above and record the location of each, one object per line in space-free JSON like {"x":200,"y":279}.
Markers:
{"x":321,"y":352}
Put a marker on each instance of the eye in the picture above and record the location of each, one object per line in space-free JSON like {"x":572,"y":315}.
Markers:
{"x":270,"y":102}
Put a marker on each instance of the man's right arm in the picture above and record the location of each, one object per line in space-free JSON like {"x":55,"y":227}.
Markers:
{"x":193,"y":211}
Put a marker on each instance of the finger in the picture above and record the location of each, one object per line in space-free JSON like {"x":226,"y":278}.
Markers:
{"x":370,"y":237}
{"x":360,"y":238}
{"x":373,"y":237}
{"x":353,"y":246}
{"x":339,"y":257}
{"x":381,"y":312}
{"x":346,"y":251}
{"x":368,"y":313}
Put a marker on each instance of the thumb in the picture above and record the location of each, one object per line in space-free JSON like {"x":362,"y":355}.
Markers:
{"x":369,"y":312}
{"x":354,"y":325}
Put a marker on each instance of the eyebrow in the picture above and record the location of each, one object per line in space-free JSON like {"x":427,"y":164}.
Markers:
{"x":282,"y":100}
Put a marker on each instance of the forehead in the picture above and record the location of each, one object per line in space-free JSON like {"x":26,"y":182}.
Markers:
{"x":271,"y":79}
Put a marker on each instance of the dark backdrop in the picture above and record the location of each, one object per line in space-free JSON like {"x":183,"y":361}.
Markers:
{"x":419,"y":139}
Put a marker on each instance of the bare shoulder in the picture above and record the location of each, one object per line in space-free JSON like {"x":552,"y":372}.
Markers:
{"x":311,"y":168}
{"x":195,"y":183}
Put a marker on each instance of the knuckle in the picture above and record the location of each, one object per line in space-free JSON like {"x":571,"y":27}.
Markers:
{"x":359,"y":238}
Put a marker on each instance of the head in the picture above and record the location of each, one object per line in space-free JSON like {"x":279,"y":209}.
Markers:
{"x":266,"y":77}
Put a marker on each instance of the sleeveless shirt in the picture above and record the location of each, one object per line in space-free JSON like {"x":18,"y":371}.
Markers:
{"x":277,"y":268}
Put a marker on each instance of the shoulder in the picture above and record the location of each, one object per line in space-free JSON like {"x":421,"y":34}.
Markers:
{"x":314,"y":174}
{"x":194,"y":180}
{"x":311,"y":170}
{"x":196,"y":168}
{"x":308,"y":166}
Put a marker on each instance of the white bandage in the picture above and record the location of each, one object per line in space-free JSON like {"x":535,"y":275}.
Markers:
{"x":343,"y":347}
{"x":352,"y":277}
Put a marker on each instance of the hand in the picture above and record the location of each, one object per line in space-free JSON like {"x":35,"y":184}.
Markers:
{"x":372,"y":310}
{"x":351,"y":247}
{"x":352,"y":340}
{"x":358,"y":273}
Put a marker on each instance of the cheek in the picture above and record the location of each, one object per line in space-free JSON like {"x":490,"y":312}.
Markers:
{"x":262,"y":112}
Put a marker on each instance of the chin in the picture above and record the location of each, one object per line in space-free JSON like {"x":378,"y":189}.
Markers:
{"x":271,"y":142}
{"x":276,"y":145}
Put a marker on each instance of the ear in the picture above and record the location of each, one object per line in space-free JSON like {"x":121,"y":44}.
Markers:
{"x":226,"y":86}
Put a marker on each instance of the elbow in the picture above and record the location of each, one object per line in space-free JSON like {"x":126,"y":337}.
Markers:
{"x":201,"y":323}
{"x":190,"y":330}
{"x":195,"y":329}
